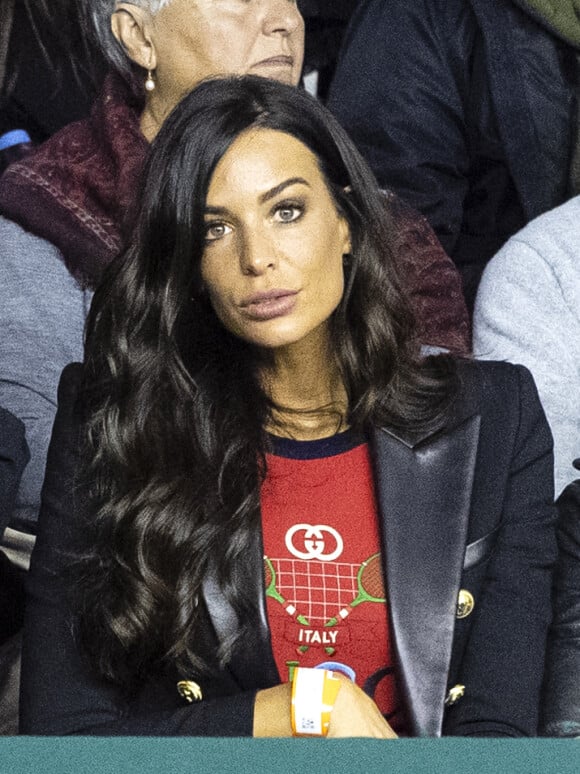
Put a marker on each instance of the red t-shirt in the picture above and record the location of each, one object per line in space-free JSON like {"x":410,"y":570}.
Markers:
{"x":324,"y":579}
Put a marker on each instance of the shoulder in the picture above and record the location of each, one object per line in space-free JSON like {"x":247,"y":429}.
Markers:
{"x":532,"y":285}
{"x":485,"y":380}
{"x":498,"y":396}
{"x":430,"y":11}
{"x":35,"y":281}
{"x":12,"y":236}
{"x":546,"y":248}
{"x":431,"y":25}
{"x":504,"y":396}
{"x":513,"y":430}
{"x":21,"y":250}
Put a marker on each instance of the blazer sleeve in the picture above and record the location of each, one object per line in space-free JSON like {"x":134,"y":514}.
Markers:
{"x":502,"y":663}
{"x":58,"y":694}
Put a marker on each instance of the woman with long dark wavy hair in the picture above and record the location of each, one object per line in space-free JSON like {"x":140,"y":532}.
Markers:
{"x":266,"y":510}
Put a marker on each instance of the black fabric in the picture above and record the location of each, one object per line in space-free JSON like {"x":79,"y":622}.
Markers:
{"x":46,"y":86}
{"x":325,"y":24}
{"x":11,"y":599}
{"x":14,"y":456}
{"x":487,"y":475}
{"x":315,"y":450}
{"x":465,"y":108}
{"x":561,"y":701}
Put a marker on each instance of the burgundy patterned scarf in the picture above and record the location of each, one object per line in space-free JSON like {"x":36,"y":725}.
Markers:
{"x":76,"y":189}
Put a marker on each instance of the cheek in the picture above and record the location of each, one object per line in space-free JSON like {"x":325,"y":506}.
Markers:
{"x":333,"y":275}
{"x":337,"y":287}
{"x":217,"y":299}
{"x":212,"y":283}
{"x":222,"y":305}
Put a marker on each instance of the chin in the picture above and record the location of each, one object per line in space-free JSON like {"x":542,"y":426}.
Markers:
{"x":272,"y":343}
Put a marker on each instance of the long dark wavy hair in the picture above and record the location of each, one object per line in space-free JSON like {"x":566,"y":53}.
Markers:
{"x":175,"y":411}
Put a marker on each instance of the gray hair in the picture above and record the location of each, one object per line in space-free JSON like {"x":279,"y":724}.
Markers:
{"x":96,"y":22}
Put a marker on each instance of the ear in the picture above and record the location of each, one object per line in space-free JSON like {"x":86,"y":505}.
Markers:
{"x":131,"y":26}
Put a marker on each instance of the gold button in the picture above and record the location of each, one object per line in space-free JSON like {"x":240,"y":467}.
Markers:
{"x":189,"y":691}
{"x":465,"y":603}
{"x":454,"y":695}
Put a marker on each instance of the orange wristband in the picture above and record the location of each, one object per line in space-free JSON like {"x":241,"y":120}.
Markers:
{"x":314,"y":692}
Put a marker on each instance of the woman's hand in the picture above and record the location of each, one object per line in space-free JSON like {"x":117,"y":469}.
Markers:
{"x":354,"y":713}
{"x":272,"y":711}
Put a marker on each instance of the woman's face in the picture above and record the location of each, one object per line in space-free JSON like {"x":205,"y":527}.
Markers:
{"x":197,"y":39}
{"x":273,"y":257}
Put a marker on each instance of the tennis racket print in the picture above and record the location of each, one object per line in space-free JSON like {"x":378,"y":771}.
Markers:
{"x":370,"y":588}
{"x":273,"y":593}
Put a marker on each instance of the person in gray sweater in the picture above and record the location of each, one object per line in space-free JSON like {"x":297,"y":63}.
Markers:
{"x":528,"y":311}
{"x":43,"y":309}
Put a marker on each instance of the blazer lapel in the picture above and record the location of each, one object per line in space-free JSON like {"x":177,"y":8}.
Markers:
{"x":424,"y":490}
{"x":252,"y":662}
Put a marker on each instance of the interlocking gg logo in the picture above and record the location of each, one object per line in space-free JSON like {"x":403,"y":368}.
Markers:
{"x":308,"y":541}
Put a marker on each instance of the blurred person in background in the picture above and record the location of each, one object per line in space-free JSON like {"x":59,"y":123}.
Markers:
{"x":467,"y":109}
{"x":527,"y":311}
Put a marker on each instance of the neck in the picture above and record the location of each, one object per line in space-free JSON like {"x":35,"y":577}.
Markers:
{"x":306,"y":387}
{"x":154,"y":114}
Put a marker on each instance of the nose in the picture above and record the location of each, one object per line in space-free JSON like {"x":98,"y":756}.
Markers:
{"x":257,"y":254}
{"x":282,"y":16}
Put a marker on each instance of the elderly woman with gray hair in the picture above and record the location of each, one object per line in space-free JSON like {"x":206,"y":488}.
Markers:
{"x":64,"y":210}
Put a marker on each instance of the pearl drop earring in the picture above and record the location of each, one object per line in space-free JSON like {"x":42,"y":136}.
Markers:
{"x":149,"y":83}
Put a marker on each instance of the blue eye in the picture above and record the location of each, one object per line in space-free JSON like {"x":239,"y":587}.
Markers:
{"x":215,"y":231}
{"x":288,"y":213}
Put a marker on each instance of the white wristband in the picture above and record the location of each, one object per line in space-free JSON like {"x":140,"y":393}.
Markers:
{"x":314,"y":692}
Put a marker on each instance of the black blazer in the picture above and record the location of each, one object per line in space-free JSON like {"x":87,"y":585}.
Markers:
{"x":469,"y":507}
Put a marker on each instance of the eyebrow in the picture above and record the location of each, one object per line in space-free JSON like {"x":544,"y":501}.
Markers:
{"x":265,"y":197}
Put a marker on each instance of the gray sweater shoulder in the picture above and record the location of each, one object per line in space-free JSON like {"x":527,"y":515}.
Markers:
{"x":42,"y":316}
{"x":528,"y":311}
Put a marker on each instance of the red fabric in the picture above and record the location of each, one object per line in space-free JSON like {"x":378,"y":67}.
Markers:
{"x":79,"y":187}
{"x":431,"y":279}
{"x":317,"y":535}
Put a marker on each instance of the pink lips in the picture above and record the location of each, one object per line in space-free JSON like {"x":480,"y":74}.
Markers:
{"x":270,"y":304}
